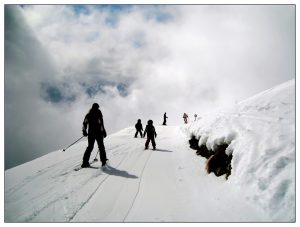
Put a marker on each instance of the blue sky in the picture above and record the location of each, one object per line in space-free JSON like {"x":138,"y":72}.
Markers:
{"x":107,"y":7}
{"x":156,"y":12}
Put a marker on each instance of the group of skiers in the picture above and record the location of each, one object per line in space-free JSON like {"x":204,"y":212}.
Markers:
{"x":96,"y":132}
{"x":185,"y":118}
{"x":149,"y":130}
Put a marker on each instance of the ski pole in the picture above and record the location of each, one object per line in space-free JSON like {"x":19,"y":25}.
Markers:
{"x":95,"y":159}
{"x":73,"y":143}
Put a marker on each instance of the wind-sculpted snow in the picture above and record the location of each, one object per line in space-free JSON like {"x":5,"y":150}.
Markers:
{"x":261,"y":133}
{"x":170,"y":184}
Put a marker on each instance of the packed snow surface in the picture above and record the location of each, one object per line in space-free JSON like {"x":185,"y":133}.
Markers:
{"x":170,"y":184}
{"x":260,"y":132}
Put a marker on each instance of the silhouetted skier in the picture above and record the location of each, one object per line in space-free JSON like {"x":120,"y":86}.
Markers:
{"x":185,"y":117}
{"x":139,"y":128}
{"x":94,"y":120}
{"x":151,"y":134}
{"x":195,"y":117}
{"x":165,"y":119}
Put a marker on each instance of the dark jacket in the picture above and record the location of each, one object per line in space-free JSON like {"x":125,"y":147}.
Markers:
{"x":94,"y":121}
{"x":139,"y":126}
{"x":150,"y":131}
{"x":165,"y":116}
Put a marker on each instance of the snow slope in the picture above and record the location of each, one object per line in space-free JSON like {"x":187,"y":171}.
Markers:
{"x":170,"y":184}
{"x":261,"y":134}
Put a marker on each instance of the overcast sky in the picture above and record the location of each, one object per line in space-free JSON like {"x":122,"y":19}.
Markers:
{"x":136,"y":62}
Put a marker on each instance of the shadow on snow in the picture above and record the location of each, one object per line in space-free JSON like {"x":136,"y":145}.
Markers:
{"x":119,"y":173}
{"x":163,"y":150}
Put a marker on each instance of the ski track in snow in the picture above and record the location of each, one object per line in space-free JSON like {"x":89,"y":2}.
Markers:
{"x":29,"y":179}
{"x":134,"y":199}
{"x":63,"y":171}
{"x":139,"y":153}
{"x":116,"y":195}
{"x":97,"y":188}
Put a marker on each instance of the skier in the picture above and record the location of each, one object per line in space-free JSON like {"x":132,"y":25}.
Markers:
{"x":151,"y":134}
{"x":195,"y":117}
{"x":185,"y":117}
{"x":139,"y":128}
{"x":165,"y":119}
{"x":94,"y":120}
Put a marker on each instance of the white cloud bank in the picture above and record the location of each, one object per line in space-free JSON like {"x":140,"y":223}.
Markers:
{"x":136,"y":62}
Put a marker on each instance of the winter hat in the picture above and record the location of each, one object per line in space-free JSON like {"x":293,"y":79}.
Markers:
{"x":95,"y":106}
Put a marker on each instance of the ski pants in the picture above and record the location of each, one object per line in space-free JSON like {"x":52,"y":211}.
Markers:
{"x":152,"y":141}
{"x":89,"y":149}
{"x":138,"y":131}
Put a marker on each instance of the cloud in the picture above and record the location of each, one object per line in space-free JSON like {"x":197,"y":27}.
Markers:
{"x":136,"y":61}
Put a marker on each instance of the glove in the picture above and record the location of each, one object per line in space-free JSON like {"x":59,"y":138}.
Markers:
{"x":104,"y":134}
{"x":84,"y":133}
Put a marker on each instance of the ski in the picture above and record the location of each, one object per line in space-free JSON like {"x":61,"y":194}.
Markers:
{"x":91,"y":167}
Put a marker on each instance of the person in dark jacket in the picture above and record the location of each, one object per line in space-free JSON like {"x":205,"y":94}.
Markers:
{"x":151,"y":134}
{"x":185,"y":117}
{"x":139,"y":128}
{"x":195,"y":116}
{"x":96,"y":131}
{"x":165,"y":119}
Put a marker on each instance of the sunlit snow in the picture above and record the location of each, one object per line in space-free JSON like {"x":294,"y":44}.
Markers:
{"x":170,"y":184}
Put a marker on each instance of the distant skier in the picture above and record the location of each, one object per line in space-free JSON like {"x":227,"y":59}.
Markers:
{"x":185,"y":117}
{"x":195,"y":117}
{"x":139,"y":128}
{"x":165,"y":119}
{"x":151,"y":134}
{"x":94,"y":120}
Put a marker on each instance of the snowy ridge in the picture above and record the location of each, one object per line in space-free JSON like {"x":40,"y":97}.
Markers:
{"x":260,"y":132}
{"x":171,"y":184}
